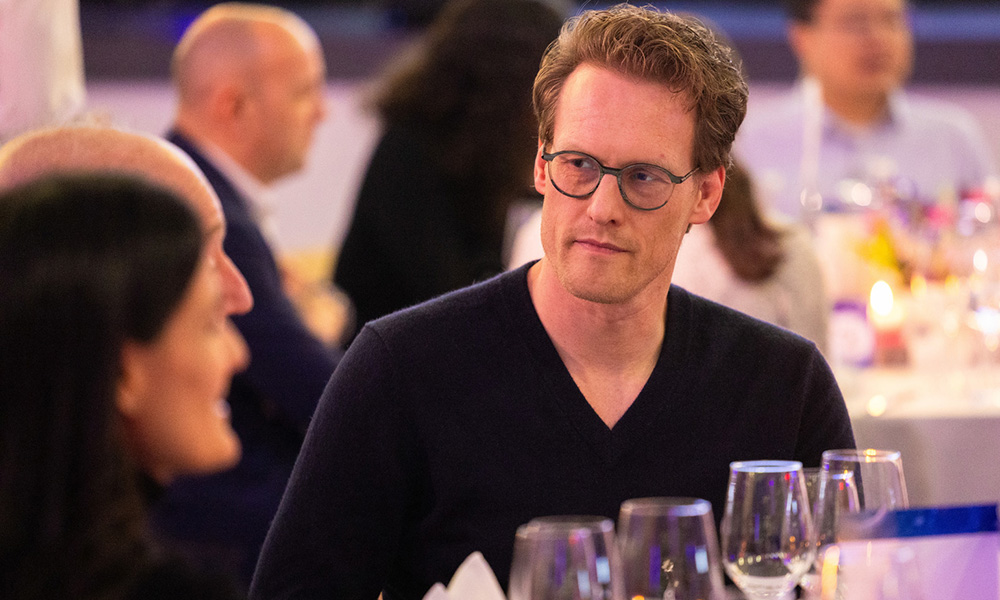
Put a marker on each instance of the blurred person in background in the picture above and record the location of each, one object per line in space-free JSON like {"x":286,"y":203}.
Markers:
{"x":455,"y":153}
{"x":41,"y":65}
{"x":747,"y":262}
{"x":98,"y":149}
{"x":250,"y":80}
{"x":848,"y":119}
{"x":115,"y":360}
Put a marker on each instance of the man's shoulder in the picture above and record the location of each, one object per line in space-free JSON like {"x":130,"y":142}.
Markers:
{"x":721,"y":328}
{"x":229,"y":196}
{"x":927,"y":109}
{"x":463,"y":312}
{"x":949,"y":127}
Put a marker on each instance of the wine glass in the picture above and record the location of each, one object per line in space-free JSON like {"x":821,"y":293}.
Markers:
{"x":565,"y":558}
{"x":877,"y":474}
{"x":669,"y":549}
{"x":841,"y":496}
{"x":766,"y":528}
{"x":852,"y":481}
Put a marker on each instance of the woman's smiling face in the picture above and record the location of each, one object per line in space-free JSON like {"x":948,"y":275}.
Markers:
{"x":173,"y":389}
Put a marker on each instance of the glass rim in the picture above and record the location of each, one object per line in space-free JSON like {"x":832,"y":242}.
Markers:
{"x":681,"y":506}
{"x":595,"y":523}
{"x":765,"y":466}
{"x":861,"y":455}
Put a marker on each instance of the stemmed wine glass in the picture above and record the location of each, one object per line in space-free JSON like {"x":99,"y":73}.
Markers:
{"x":840,"y":496}
{"x":766,"y":528}
{"x":565,"y":558}
{"x":851,"y":481}
{"x":669,"y":549}
{"x":877,"y":478}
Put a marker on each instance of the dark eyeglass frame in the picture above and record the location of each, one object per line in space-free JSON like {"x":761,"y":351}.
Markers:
{"x":603,"y":170}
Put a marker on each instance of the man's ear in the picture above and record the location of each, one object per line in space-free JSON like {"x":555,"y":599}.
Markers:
{"x":540,"y":180}
{"x":227,"y":102}
{"x":709,"y":194}
{"x":799,"y":38}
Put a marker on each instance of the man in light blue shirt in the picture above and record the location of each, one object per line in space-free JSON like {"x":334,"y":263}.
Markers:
{"x":848,"y":122}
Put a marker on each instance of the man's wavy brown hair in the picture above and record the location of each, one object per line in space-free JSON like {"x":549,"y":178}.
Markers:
{"x":651,"y":45}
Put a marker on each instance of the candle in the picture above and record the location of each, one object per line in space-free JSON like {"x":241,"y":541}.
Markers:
{"x":886,"y":316}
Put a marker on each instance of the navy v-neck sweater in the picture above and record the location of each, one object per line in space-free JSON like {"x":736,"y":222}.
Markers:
{"x":449,"y":424}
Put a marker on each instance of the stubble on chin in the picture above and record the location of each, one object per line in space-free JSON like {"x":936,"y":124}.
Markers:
{"x":597,"y":288}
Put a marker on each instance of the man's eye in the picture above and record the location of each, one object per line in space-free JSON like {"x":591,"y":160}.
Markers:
{"x":645,"y":176}
{"x":581,"y":163}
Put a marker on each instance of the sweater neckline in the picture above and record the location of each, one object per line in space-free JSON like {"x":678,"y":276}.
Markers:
{"x":610,"y":444}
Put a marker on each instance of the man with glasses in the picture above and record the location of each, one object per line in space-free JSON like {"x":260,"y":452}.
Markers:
{"x":848,"y":119}
{"x":573,"y":383}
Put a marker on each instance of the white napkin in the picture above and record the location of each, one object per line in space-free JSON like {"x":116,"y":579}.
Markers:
{"x":473,"y":580}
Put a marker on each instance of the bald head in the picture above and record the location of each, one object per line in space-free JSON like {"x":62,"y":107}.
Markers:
{"x":228,"y":42}
{"x":86,"y":149}
{"x":250,"y":81}
{"x":95,"y":149}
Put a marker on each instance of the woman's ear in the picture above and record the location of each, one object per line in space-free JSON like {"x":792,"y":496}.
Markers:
{"x":133,"y":382}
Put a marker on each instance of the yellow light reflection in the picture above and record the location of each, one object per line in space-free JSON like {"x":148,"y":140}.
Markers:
{"x":828,"y":573}
{"x":979,"y":260}
{"x":876,"y":407}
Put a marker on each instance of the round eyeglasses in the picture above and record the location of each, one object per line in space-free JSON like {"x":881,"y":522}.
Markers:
{"x":643,"y":186}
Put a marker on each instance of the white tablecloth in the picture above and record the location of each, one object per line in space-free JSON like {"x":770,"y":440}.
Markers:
{"x":945,"y":423}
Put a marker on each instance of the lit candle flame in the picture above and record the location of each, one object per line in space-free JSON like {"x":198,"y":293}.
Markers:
{"x":881,"y":298}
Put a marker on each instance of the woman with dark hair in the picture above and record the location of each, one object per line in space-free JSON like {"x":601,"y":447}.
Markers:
{"x":458,"y":143}
{"x":115,"y":357}
{"x":767,"y":270}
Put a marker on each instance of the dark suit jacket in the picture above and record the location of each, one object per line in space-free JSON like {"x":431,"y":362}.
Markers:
{"x":225,"y":517}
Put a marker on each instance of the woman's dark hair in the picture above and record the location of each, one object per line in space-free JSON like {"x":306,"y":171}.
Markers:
{"x":468,"y":86}
{"x":802,"y":11}
{"x":86,"y":262}
{"x":750,"y":245}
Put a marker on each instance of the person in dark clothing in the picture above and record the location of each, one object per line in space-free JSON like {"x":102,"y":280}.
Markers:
{"x":572,"y":383}
{"x":250,"y":80}
{"x":455,"y":152}
{"x":115,"y":358}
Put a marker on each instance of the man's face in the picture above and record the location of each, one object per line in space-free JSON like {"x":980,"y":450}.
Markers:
{"x":862,"y":48}
{"x":600,"y":248}
{"x":236,"y":297}
{"x":286,"y":106}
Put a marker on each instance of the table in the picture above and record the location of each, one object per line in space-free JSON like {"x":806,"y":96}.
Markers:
{"x":946,"y":424}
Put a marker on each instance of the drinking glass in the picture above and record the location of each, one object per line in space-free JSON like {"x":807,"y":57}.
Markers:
{"x":766,"y":528}
{"x":565,"y":558}
{"x":841,"y":496}
{"x":852,"y":481}
{"x":877,"y":479}
{"x":669,"y":550}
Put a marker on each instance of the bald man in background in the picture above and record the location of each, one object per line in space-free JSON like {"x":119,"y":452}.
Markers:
{"x":84,"y":149}
{"x":250,"y":81}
